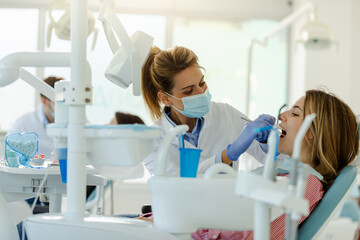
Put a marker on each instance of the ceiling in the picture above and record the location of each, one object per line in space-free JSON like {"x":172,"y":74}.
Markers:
{"x":268,"y":9}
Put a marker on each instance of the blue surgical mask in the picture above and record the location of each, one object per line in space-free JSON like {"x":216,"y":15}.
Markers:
{"x":195,"y":106}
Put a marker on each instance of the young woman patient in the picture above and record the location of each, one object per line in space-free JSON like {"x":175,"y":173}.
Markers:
{"x":331,"y":143}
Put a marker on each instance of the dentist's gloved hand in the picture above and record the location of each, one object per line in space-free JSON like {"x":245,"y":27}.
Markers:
{"x":248,"y":135}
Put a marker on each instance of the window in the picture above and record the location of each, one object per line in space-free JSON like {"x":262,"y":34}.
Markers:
{"x":19,"y":34}
{"x":221,"y":46}
{"x":222,"y":49}
{"x":220,"y":43}
{"x":107,"y":96}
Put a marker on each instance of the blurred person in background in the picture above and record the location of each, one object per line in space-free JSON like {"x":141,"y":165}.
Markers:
{"x":37,"y":120}
{"x":125,"y":118}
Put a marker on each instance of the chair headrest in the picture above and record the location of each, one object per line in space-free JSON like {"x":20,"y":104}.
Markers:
{"x":328,"y":204}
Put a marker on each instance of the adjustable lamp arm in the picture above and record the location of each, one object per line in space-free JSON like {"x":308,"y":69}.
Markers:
{"x":125,"y":66}
{"x":105,"y":10}
{"x":110,"y":22}
{"x":11,"y":64}
{"x":11,"y":68}
{"x":38,"y":84}
{"x":287,"y":21}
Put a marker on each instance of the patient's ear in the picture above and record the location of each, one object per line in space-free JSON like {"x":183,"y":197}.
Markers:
{"x":309,"y":135}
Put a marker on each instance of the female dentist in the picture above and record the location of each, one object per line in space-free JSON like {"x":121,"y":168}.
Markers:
{"x":176,"y":93}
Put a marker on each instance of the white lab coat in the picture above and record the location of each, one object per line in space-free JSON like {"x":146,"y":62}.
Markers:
{"x":222,"y":125}
{"x":34,"y":122}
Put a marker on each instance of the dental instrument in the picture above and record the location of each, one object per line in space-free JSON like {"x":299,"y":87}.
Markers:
{"x":278,"y":116}
{"x":277,"y":119}
{"x":246,"y":119}
{"x":297,"y":177}
{"x":262,"y":210}
{"x":161,"y":159}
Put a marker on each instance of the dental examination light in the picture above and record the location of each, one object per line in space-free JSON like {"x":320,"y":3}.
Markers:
{"x":125,"y":67}
{"x":313,"y":35}
{"x":62,"y":26}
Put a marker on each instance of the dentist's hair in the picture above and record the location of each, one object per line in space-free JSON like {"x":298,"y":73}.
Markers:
{"x":51,"y":82}
{"x":334,"y":134}
{"x":159,"y":71}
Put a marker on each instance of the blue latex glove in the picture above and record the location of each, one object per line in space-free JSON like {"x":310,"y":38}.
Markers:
{"x":248,"y":135}
{"x":264,"y":147}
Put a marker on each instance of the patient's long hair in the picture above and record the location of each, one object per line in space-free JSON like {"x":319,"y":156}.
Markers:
{"x":334,"y":140}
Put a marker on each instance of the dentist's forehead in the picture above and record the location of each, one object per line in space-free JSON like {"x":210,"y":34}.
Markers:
{"x":188,"y":77}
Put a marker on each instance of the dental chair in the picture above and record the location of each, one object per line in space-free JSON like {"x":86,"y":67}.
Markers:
{"x":332,"y":201}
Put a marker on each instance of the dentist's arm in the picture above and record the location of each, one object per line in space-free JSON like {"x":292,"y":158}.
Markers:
{"x":247,"y":136}
{"x":225,"y":159}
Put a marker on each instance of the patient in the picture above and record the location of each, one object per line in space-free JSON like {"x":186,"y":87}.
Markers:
{"x":125,"y":118}
{"x":331,"y":143}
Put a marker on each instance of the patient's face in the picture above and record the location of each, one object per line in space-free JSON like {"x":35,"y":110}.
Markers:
{"x":291,"y":121}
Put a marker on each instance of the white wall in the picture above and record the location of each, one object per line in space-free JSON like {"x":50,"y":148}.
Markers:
{"x":338,"y":72}
{"x":355,"y":59}
{"x":129,"y":197}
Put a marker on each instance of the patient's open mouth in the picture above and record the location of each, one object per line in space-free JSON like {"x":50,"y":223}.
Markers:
{"x":283,"y":133}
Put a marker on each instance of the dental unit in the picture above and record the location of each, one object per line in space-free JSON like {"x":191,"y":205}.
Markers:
{"x":114,"y":152}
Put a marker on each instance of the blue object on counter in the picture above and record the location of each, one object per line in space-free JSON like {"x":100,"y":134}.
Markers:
{"x":20,"y":148}
{"x":62,"y":155}
{"x":189,"y":161}
{"x":11,"y":159}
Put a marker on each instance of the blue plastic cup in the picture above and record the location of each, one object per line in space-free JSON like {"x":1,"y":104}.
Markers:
{"x":189,"y":162}
{"x":12,"y":159}
{"x":62,"y":155}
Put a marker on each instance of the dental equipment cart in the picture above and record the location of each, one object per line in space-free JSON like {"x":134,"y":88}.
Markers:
{"x":23,"y":183}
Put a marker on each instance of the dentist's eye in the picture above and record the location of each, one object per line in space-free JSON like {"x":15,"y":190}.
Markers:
{"x":294,"y":114}
{"x":202,"y":84}
{"x":189,"y":92}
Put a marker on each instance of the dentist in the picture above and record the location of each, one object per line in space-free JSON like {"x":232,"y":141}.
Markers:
{"x":175,"y":92}
{"x":37,"y":120}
